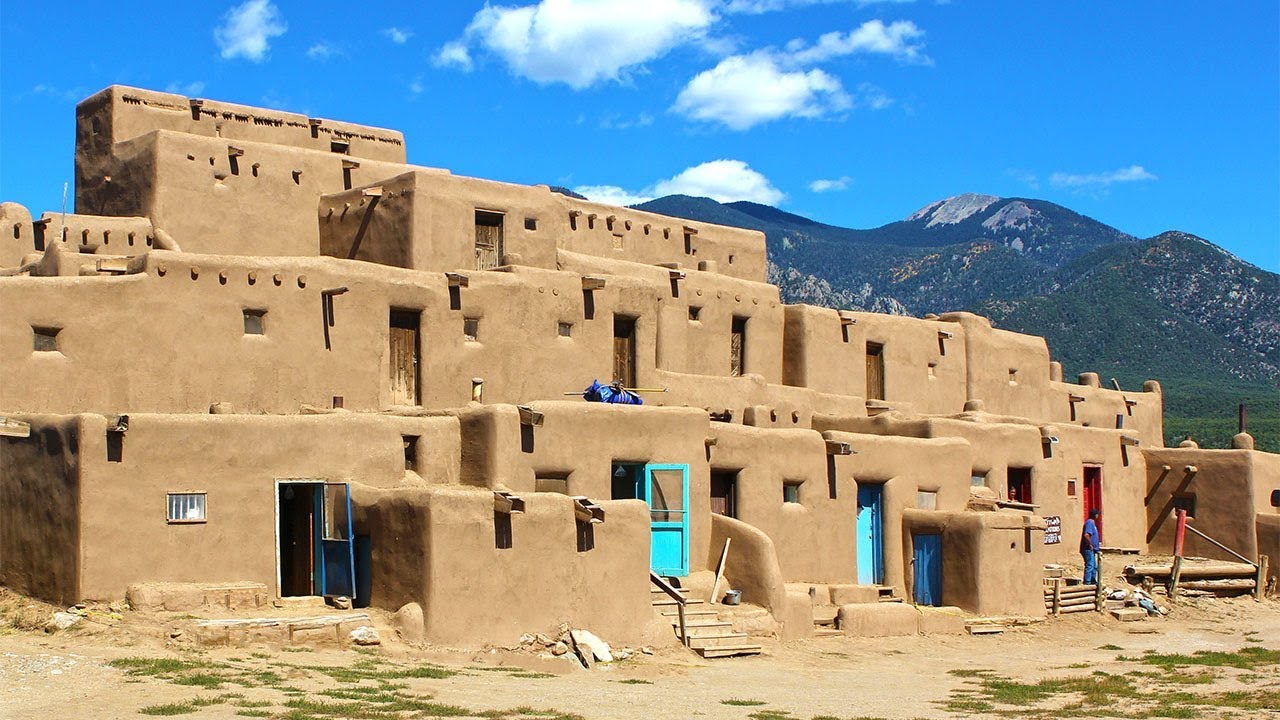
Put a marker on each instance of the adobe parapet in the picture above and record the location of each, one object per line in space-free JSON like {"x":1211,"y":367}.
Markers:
{"x":119,"y":113}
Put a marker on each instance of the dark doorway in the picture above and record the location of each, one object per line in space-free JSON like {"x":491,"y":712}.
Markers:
{"x":738,"y":347}
{"x":724,"y":491}
{"x":298,"y":534}
{"x":624,"y":350}
{"x":1020,"y":485}
{"x":403,"y":351}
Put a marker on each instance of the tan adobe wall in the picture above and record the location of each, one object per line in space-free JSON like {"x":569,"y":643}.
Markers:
{"x":937,"y":465}
{"x":119,"y":113}
{"x":443,"y":556}
{"x":236,"y":460}
{"x":1008,"y":371}
{"x":40,"y":510}
{"x":1140,"y":414}
{"x":1231,"y":490}
{"x":813,"y":538}
{"x":499,"y":452}
{"x":991,"y":561}
{"x":254,"y":198}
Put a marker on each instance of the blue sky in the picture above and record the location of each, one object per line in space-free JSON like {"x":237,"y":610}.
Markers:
{"x":1145,"y":115}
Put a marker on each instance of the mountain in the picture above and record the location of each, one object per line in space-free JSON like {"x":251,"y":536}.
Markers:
{"x":1173,"y":307}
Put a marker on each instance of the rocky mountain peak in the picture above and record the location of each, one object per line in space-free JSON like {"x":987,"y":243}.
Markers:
{"x":954,"y":209}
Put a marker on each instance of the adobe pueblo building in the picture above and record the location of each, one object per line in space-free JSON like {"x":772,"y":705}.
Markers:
{"x":266,"y":352}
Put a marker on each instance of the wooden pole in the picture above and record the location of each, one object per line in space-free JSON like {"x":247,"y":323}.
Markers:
{"x":1173,"y":578}
{"x":1259,"y":590}
{"x":1220,"y":546}
{"x":1243,"y":417}
{"x":724,"y":556}
{"x":1180,"y":533}
{"x":1057,"y":595}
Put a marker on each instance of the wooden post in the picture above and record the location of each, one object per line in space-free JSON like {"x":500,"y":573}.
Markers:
{"x":1259,"y":590}
{"x":1180,"y":533}
{"x":1097,"y":589}
{"x":1057,"y":596}
{"x":684,"y":630}
{"x":724,"y":556}
{"x":1243,"y":418}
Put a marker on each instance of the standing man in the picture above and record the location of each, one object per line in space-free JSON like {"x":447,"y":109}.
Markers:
{"x":1091,"y":546}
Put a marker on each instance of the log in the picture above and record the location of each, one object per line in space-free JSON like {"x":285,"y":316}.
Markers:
{"x":1078,"y":608}
{"x":1192,"y":569}
{"x":1230,"y":584}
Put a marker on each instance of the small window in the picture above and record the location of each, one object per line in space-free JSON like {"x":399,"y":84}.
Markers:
{"x":45,"y":339}
{"x":410,"y":451}
{"x":1275,"y":498}
{"x":502,"y":536}
{"x":471,"y":329}
{"x":791,"y":491}
{"x":1071,"y":488}
{"x":564,"y":329}
{"x":586,"y":536}
{"x":927,"y":500}
{"x":731,"y":259}
{"x":1185,"y":501}
{"x":1019,"y":485}
{"x":115,"y":446}
{"x":552,"y":483}
{"x":530,"y":223}
{"x":695,"y":312}
{"x":977,"y":479}
{"x":186,"y":507}
{"x":1013,"y":376}
{"x":340,"y":146}
{"x":255,"y":322}
{"x":933,"y":370}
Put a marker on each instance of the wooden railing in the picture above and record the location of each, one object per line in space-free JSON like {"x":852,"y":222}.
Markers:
{"x":674,"y":594}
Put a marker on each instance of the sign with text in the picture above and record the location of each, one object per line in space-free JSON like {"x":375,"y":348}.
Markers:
{"x":1053,"y":529}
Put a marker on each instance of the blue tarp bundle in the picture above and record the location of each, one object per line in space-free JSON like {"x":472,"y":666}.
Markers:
{"x":613,"y":394}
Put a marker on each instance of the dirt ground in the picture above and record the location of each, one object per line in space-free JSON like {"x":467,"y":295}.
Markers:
{"x":1082,"y":665}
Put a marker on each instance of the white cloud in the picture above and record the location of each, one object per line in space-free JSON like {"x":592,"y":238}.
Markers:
{"x":580,"y":42}
{"x":612,"y":195}
{"x":397,"y":35}
{"x":872,"y":97}
{"x":1025,"y":177}
{"x":900,"y":39}
{"x":454,"y":53}
{"x":190,"y":89}
{"x":746,"y":90}
{"x":721,"y":180}
{"x":821,"y":186}
{"x":247,"y":29}
{"x":756,"y":7}
{"x":617,"y":122}
{"x":322,"y":51}
{"x":1133,"y":173}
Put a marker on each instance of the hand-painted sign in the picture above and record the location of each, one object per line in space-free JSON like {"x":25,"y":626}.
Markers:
{"x":1053,"y":529}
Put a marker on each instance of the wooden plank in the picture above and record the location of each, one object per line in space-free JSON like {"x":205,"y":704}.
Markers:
{"x":14,"y":428}
{"x":1220,"y":546}
{"x":724,"y":556}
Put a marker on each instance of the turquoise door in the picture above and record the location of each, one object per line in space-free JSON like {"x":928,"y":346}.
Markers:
{"x":927,"y":558}
{"x":870,"y":538}
{"x":666,"y":489}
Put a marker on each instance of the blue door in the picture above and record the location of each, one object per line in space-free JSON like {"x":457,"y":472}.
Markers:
{"x":870,"y":540}
{"x":337,"y":565}
{"x":666,"y":489}
{"x":928,"y":569}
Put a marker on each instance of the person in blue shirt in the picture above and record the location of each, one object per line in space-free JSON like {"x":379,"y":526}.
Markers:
{"x":1090,"y":546}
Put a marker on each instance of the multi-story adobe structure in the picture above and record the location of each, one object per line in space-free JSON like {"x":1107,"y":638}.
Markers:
{"x":265,"y":349}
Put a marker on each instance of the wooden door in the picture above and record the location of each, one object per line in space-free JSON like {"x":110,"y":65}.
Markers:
{"x":403,"y":351}
{"x":870,"y":535}
{"x":488,"y":240}
{"x":723,"y":486}
{"x":738,"y":347}
{"x":927,"y":575}
{"x":1093,"y":493}
{"x":624,"y":350}
{"x":875,"y":371}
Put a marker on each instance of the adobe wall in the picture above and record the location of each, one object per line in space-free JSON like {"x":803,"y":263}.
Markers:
{"x":254,"y":198}
{"x":499,"y":452}
{"x":991,"y":561}
{"x":235,"y":460}
{"x":1228,"y":498}
{"x":937,"y":465}
{"x":119,"y":113}
{"x":1008,"y":371}
{"x":1140,"y":414}
{"x":475,"y":592}
{"x":813,"y":538}
{"x":40,"y":508}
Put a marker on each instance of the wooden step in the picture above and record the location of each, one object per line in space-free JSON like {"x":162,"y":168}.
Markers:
{"x":668,"y":601}
{"x":718,"y":628}
{"x":827,"y":632}
{"x":690,"y":613}
{"x":728,"y":651}
{"x":726,"y":640}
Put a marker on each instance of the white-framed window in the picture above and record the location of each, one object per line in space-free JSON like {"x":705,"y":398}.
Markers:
{"x":187,"y":507}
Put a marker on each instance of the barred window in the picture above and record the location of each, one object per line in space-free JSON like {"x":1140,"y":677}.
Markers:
{"x":186,"y":507}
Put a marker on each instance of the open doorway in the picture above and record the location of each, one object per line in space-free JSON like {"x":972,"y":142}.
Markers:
{"x":316,"y":550}
{"x":1093,"y":493}
{"x":724,"y":492}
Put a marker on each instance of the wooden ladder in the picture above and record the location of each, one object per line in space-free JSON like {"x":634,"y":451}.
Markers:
{"x":698,"y":627}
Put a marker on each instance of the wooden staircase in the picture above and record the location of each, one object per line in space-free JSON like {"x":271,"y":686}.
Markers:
{"x":705,"y":633}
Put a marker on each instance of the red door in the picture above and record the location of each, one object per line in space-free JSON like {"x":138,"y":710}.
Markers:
{"x":1093,"y":493}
